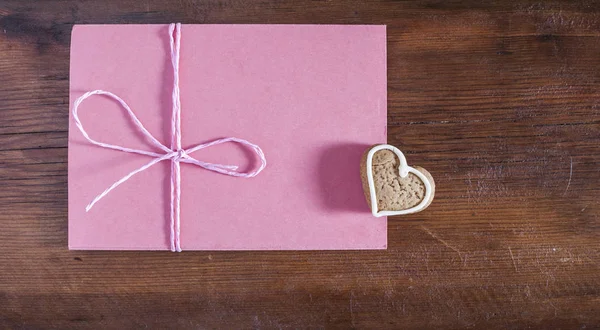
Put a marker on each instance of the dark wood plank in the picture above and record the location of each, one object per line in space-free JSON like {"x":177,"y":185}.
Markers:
{"x":499,"y":101}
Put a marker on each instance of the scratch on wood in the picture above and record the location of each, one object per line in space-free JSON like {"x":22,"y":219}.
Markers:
{"x":553,"y":306}
{"x":444,"y":242}
{"x":570,"y":176}
{"x":513,"y":259}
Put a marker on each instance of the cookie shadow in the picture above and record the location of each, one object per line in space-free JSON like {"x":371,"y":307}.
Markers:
{"x":339,"y":178}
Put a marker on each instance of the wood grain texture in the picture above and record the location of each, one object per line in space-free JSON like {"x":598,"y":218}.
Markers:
{"x":500,"y":101}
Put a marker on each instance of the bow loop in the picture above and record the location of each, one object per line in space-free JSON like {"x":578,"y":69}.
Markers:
{"x":133,"y":118}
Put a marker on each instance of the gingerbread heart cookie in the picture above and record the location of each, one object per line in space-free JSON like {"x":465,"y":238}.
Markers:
{"x":391,"y":186}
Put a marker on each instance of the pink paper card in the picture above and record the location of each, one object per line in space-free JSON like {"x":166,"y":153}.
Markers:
{"x":313,"y":97}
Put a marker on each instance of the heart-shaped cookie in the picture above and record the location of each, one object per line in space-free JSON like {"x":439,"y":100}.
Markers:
{"x":391,"y":186}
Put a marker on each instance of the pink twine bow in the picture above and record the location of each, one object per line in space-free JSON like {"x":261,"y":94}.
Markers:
{"x":175,"y":153}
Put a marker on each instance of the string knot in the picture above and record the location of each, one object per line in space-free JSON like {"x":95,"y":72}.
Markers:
{"x":179,"y":155}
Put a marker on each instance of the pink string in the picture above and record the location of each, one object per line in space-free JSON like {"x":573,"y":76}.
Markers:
{"x":175,"y":154}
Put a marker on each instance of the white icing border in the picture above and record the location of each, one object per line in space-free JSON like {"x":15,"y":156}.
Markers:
{"x":404,"y":169}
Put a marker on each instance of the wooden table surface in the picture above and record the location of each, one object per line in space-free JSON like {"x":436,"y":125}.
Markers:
{"x":499,"y":101}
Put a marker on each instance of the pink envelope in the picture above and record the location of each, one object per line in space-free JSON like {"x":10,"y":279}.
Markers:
{"x":313,"y":97}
